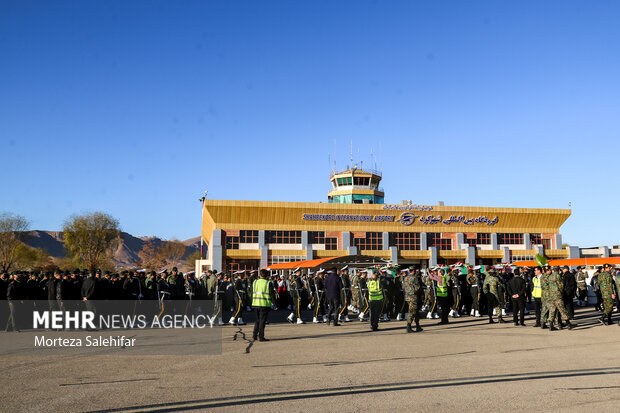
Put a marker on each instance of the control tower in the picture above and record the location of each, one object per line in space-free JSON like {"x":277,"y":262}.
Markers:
{"x":355,"y":186}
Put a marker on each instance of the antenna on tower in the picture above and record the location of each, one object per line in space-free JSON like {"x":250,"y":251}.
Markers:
{"x":329,"y":160}
{"x":351,"y":167}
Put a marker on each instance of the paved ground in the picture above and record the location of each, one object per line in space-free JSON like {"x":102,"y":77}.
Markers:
{"x":467,"y":365}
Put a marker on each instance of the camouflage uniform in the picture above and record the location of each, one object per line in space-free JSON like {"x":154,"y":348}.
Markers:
{"x":355,"y":291}
{"x":607,"y":289}
{"x":412,"y":286}
{"x":429,"y":296}
{"x":555,"y":301}
{"x":492,"y":288}
{"x":582,"y":287}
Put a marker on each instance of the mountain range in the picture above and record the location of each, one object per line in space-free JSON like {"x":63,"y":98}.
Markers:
{"x":126,"y":253}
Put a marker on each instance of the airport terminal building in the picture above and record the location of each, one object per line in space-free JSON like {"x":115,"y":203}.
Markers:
{"x":355,"y":221}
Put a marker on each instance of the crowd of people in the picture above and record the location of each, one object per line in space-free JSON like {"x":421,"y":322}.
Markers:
{"x":342,"y":295}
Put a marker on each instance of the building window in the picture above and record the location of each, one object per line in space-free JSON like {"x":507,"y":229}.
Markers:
{"x":372,"y":241}
{"x":276,"y":259}
{"x":516,"y":258}
{"x":248,"y":237}
{"x":481,"y":239}
{"x":405,"y":241}
{"x":232,"y":243}
{"x":238,"y":265}
{"x":509,"y":239}
{"x":331,"y":244}
{"x":435,"y":240}
{"x":318,"y":237}
{"x":283,"y":237}
{"x":546,"y":243}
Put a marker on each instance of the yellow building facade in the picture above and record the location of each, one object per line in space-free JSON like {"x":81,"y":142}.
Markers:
{"x":255,"y":234}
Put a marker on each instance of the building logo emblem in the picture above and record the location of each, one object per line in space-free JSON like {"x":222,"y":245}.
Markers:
{"x":407,"y":218}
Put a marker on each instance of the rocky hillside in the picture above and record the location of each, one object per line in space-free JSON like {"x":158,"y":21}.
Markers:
{"x":125,"y":255}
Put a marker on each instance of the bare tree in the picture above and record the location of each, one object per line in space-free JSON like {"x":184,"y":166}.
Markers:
{"x":12,"y":228}
{"x":91,"y":238}
{"x":172,"y":253}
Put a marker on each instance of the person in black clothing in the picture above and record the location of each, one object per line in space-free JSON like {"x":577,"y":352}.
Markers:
{"x":89,"y":291}
{"x":333,"y":286}
{"x":14,"y":293}
{"x":570,"y":287}
{"x":516,"y":290}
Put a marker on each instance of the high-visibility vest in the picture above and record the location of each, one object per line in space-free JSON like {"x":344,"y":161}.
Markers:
{"x":374,"y":290}
{"x":442,"y":291}
{"x":260,"y":293}
{"x":537,"y":290}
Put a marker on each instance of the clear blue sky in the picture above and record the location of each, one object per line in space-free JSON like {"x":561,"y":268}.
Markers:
{"x":136,"y":107}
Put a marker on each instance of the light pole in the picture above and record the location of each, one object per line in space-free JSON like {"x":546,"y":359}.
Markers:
{"x":202,"y":203}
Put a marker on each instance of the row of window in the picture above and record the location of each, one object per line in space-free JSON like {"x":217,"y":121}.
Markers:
{"x":374,"y":240}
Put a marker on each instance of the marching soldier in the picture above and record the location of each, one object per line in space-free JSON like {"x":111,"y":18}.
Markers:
{"x":473,"y":282}
{"x":296,"y":286}
{"x":318,"y":308}
{"x":412,"y":286}
{"x":492,"y":291}
{"x":605,"y":281}
{"x":363,"y":291}
{"x":568,"y":292}
{"x":345,"y":294}
{"x":355,"y":291}
{"x":582,"y":288}
{"x":399,"y":294}
{"x":455,"y":291}
{"x":239,"y":289}
{"x":430,"y":298}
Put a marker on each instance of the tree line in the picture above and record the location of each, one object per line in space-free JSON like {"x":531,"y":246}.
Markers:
{"x":90,"y":241}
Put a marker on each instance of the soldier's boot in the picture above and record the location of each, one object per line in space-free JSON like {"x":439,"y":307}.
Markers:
{"x":315,"y":320}
{"x":300,"y":321}
{"x":435,"y":315}
{"x":537,"y":324}
{"x":429,"y":315}
{"x":544,"y":326}
{"x":570,"y":325}
{"x":240,"y":322}
{"x":526,"y":312}
{"x":325,"y":319}
{"x":494,"y":312}
{"x":477,"y":314}
{"x":501,"y":320}
{"x":232,"y":321}
{"x":503,"y":312}
{"x":361,"y":316}
{"x":219,"y":321}
{"x":552,"y":327}
{"x":385,"y":317}
{"x":451,"y":313}
{"x":491,"y":320}
{"x":609,"y":322}
{"x":409,"y":330}
{"x":417,"y":325}
{"x":456,"y":314}
{"x":603,"y":319}
{"x":290,"y":318}
{"x":399,"y":318}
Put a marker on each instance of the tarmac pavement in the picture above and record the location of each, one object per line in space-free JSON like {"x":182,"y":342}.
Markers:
{"x":466,"y":365}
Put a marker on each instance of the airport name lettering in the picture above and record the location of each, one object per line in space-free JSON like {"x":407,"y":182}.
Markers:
{"x":364,"y":218}
{"x":409,"y":207}
{"x":460,"y":219}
